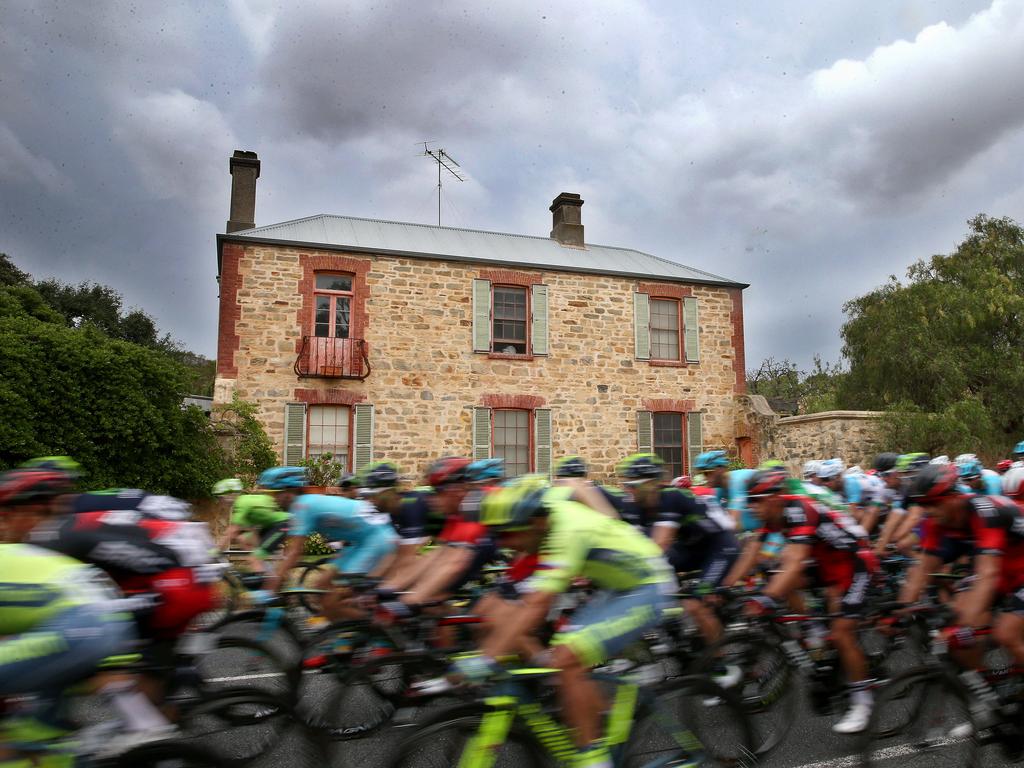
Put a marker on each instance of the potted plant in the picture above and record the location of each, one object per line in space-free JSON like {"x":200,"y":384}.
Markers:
{"x":322,"y":473}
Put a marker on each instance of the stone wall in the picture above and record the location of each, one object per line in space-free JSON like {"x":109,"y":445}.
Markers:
{"x":426,"y":379}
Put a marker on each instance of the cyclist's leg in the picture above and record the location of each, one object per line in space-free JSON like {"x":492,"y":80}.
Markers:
{"x":851,"y":655}
{"x":271,"y":541}
{"x":361,"y":558}
{"x":1009,"y":627}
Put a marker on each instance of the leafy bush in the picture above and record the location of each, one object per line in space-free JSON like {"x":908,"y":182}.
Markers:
{"x":316,"y":544}
{"x":323,"y":470}
{"x":249,"y":450}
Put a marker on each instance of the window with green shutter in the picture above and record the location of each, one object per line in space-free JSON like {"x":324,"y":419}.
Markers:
{"x":294,"y":434}
{"x":362,"y":433}
{"x":542,"y":441}
{"x":539,"y":335}
{"x":481,"y":433}
{"x":694,"y":437}
{"x":691,"y":330}
{"x":481,"y":315}
{"x":642,"y":326}
{"x":644,"y":432}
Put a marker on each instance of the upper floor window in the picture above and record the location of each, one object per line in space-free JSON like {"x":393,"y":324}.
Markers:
{"x":508,"y":313}
{"x":333,"y":306}
{"x":665,"y":329}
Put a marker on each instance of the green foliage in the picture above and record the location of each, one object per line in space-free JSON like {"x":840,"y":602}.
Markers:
{"x":323,"y":470}
{"x":251,"y":451}
{"x":114,"y":406}
{"x":813,"y":391}
{"x":945,"y":351}
{"x":316,"y":544}
{"x":20,"y":300}
{"x":10,"y":274}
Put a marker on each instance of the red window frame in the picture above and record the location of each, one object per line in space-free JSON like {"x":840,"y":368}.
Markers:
{"x":351,"y":413}
{"x":530,"y":458}
{"x":679,"y":330}
{"x":683,"y":442}
{"x":334,"y":296}
{"x":527,"y":351}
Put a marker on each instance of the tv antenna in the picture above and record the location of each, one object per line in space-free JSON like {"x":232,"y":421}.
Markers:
{"x":445,"y":161}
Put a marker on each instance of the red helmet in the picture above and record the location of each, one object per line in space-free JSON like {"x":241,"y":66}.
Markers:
{"x":767,"y":482}
{"x":683,"y":481}
{"x":24,"y":486}
{"x":450,"y":469}
{"x":1004,"y":466}
{"x":933,"y":482}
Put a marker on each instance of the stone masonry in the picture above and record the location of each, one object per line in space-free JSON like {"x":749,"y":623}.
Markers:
{"x":426,"y":379}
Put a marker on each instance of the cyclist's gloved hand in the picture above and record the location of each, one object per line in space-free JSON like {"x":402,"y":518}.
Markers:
{"x":474,"y":668}
{"x":760,"y":605}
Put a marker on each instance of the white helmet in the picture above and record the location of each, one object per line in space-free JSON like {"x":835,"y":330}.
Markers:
{"x":854,"y":470}
{"x":830,"y":468}
{"x":811,"y":468}
{"x":1013,"y":482}
{"x":943,"y":459}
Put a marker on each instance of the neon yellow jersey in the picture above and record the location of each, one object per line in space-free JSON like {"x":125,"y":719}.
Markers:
{"x":607,"y":551}
{"x":257,"y":510}
{"x":36,"y":583}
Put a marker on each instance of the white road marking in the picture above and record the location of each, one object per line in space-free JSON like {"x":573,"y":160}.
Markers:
{"x":889,"y":753}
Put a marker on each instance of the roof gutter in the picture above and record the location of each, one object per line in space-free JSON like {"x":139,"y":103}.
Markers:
{"x":225,"y":238}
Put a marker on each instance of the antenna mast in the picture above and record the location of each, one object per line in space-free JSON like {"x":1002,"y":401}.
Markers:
{"x":446,"y":161}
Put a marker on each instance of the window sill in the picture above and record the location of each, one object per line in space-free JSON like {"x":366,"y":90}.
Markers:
{"x":507,"y":356}
{"x":669,"y":363}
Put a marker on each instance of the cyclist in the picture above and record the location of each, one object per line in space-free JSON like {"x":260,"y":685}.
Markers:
{"x":864,"y":495}
{"x":572,"y":541}
{"x":571,"y":472}
{"x":694,"y":532}
{"x":901,"y":528}
{"x":369,"y":541}
{"x":1018,"y":454}
{"x":729,"y":486}
{"x":988,"y":528}
{"x":976,"y":478}
{"x":1003,"y":466}
{"x":408,"y":512}
{"x":258,"y":514}
{"x":830,"y":479}
{"x":831,"y":549}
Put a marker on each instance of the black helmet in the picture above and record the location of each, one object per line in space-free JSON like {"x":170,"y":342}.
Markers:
{"x":886,"y":462}
{"x":570,"y":466}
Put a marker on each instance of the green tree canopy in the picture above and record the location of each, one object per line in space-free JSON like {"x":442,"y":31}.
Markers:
{"x":944,"y":351}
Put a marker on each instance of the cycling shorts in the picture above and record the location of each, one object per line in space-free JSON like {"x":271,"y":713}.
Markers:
{"x":483,"y":552}
{"x":271,"y":539}
{"x":714,"y":559}
{"x":613,"y":621}
{"x":180,"y":598}
{"x":364,"y":556}
{"x":63,"y":650}
{"x":851,"y":575}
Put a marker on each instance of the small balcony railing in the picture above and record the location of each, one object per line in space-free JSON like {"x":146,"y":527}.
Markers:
{"x":332,"y":358}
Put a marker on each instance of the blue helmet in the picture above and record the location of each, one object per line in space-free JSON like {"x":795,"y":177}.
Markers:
{"x":282,"y":478}
{"x":711,"y":460}
{"x":1018,"y":449}
{"x":485,"y":470}
{"x":968,"y":465}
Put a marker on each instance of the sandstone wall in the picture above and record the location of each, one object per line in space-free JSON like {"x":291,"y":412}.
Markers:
{"x":426,"y":379}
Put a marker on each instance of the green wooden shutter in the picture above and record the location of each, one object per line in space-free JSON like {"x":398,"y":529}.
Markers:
{"x":691,"y":330}
{"x":481,"y":315}
{"x":481,"y":433}
{"x":540,"y":319}
{"x":294,"y":434}
{"x":694,"y":438}
{"x":542,"y":440}
{"x":642,"y":325}
{"x":362,"y":434}
{"x":644,"y":432}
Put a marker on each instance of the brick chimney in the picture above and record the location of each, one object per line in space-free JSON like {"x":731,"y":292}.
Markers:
{"x":245,"y":169}
{"x":567,"y":228}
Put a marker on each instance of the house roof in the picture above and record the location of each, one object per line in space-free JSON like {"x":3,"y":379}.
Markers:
{"x":423,"y":240}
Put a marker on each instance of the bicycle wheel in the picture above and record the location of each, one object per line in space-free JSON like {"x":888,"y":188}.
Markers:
{"x":243,"y":662}
{"x":442,"y":741}
{"x":768,"y":687}
{"x":692,"y":717}
{"x":181,"y":754}
{"x":238,"y":724}
{"x":922,"y":718}
{"x":308,"y":578}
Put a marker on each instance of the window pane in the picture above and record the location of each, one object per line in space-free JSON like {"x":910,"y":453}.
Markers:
{"x":512,"y":440}
{"x":341,"y":317}
{"x":323,"y":316}
{"x":328,"y":432}
{"x":668,"y":441}
{"x":334,"y":282}
{"x":509,"y":326}
{"x":665,"y":329}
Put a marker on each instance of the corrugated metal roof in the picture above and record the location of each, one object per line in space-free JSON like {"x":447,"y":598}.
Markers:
{"x":376,"y":236}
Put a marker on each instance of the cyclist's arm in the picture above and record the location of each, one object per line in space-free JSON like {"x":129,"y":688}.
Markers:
{"x":414,"y":570}
{"x":974,"y":605}
{"x":908,"y":521}
{"x":585,"y":493}
{"x":791,"y":570}
{"x":664,"y":535}
{"x":228,"y":536}
{"x":293,"y":550}
{"x":917,"y":577}
{"x":508,"y":636}
{"x":745,"y":563}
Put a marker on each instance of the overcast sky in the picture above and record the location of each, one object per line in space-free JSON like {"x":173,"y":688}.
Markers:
{"x":809,"y":149}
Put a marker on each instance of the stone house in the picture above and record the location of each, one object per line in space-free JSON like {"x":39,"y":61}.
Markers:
{"x":378,"y":339}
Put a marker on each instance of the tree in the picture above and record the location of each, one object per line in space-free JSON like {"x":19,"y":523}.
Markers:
{"x":10,"y":274}
{"x":945,"y":351}
{"x":249,"y":450}
{"x":813,"y":391}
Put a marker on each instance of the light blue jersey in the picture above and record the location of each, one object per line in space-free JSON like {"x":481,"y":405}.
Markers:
{"x":337,"y":519}
{"x":991,"y":483}
{"x":734,"y":498}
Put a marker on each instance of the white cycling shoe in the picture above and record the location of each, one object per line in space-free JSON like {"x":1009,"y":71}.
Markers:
{"x":855,"y":720}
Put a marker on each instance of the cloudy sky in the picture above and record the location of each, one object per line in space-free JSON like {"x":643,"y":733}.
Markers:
{"x":810,"y":149}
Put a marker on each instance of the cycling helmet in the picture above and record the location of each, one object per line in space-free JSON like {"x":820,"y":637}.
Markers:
{"x":486,"y":470}
{"x":282,"y":478}
{"x":450,"y":469}
{"x":830,"y":468}
{"x":766,"y":482}
{"x":1004,"y":466}
{"x":27,"y":486}
{"x":911,"y":462}
{"x":64,"y":464}
{"x":347,"y":480}
{"x":711,"y":460}
{"x":227,"y":485}
{"x":683,"y":481}
{"x":941,"y":460}
{"x":968,"y":465}
{"x":811,"y":469}
{"x":886,"y":462}
{"x":511,"y":507}
{"x":640,"y":467}
{"x":1018,"y":450}
{"x":933,"y":482}
{"x":377,"y":476}
{"x":772,"y":464}
{"x":570,"y":466}
{"x":1013,"y":483}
